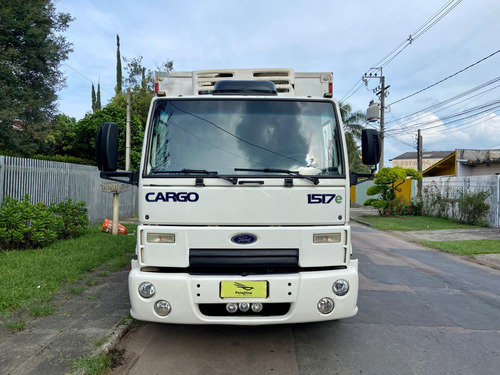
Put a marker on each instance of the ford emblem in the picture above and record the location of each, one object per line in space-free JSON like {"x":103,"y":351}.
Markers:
{"x":244,"y":239}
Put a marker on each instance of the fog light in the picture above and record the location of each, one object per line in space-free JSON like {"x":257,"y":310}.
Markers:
{"x":340,"y":287}
{"x":231,"y":308}
{"x":257,"y":307}
{"x":162,"y":307}
{"x":147,"y":290}
{"x":325,"y":305}
{"x":244,"y":306}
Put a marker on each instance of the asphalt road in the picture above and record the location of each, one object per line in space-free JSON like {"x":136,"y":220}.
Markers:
{"x":420,"y":312}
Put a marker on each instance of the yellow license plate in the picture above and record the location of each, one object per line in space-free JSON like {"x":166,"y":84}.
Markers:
{"x":243,"y":289}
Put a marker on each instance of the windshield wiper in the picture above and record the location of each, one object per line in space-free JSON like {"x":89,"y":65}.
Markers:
{"x":314,"y":180}
{"x":232,"y":180}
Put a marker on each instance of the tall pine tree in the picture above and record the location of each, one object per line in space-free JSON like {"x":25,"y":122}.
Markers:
{"x":93,"y":99}
{"x":118,"y":88}
{"x":98,"y":99}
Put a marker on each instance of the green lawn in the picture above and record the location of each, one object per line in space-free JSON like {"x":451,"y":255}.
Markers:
{"x":405,"y":223}
{"x":31,"y":277}
{"x":471,"y":247}
{"x":408,"y":223}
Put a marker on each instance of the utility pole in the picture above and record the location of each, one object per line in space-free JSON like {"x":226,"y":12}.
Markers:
{"x":127,"y":134}
{"x":382,"y":117}
{"x":419,"y":162}
{"x":381,"y":92}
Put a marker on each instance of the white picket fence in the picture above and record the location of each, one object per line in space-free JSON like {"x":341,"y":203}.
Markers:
{"x":450,"y":187}
{"x":48,"y":182}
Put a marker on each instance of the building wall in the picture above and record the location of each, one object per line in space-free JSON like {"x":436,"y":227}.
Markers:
{"x":359,"y":196}
{"x":452,"y":187}
{"x":477,"y":170}
{"x":412,"y":163}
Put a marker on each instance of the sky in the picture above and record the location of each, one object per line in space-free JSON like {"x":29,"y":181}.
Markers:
{"x":453,"y":41}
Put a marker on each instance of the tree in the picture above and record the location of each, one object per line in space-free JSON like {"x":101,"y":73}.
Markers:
{"x":140,"y":81}
{"x":61,"y":135}
{"x":353,"y":128}
{"x":98,"y":98}
{"x":32,"y":48}
{"x":83,"y":143}
{"x":118,"y":88}
{"x":94,"y":99}
{"x":387,"y":182}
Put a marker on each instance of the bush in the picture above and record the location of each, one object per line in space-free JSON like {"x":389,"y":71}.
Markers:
{"x":24,"y":225}
{"x":387,"y":182}
{"x":73,"y":217}
{"x":473,"y":208}
{"x":435,"y":202}
{"x":415,"y":208}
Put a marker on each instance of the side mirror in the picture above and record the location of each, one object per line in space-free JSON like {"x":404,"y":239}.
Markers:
{"x":370,"y":146}
{"x":106,"y":147}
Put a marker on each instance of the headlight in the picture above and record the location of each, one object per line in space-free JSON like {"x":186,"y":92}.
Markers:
{"x":340,"y":287}
{"x":160,"y":238}
{"x":325,"y":305}
{"x":147,"y":290}
{"x":327,"y":238}
{"x":162,"y":307}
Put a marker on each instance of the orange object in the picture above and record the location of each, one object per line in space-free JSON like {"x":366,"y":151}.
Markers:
{"x":107,"y":226}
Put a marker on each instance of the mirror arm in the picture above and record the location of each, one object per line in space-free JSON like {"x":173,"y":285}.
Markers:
{"x":132,"y":178}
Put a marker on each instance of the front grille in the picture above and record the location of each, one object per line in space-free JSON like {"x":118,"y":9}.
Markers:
{"x":244,"y":260}
{"x":269,"y":309}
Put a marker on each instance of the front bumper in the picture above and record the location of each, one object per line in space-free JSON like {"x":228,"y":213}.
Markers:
{"x":300,"y":291}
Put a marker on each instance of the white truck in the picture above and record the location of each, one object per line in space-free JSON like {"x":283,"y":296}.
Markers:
{"x":243,"y":200}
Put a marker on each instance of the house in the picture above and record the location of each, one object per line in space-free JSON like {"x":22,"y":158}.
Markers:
{"x":465,"y":162}
{"x":429,"y":158}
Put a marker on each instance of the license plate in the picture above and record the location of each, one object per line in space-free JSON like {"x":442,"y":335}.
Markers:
{"x":243,"y":289}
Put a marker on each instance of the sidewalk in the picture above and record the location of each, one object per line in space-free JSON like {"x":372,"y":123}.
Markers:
{"x":80,"y":325}
{"x":89,"y":323}
{"x":490,"y":260}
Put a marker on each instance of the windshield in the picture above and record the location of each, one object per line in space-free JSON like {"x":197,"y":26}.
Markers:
{"x":220,"y":136}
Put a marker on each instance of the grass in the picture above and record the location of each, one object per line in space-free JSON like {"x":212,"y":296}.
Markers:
{"x":30,"y":276}
{"x":38,"y":311}
{"x":17,"y":325}
{"x":98,"y":364}
{"x":93,"y":365}
{"x":470,"y":247}
{"x":407,"y":223}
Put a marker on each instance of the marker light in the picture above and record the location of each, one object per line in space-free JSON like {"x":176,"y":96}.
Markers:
{"x":325,"y":305}
{"x":147,"y":290}
{"x":162,"y":307}
{"x":340,"y":287}
{"x":327,"y":238}
{"x":160,"y":238}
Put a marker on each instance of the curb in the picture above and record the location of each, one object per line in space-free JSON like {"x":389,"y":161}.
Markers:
{"x":111,"y":342}
{"x":361,"y":222}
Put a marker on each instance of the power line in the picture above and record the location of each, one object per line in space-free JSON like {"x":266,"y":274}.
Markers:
{"x":435,"y":18}
{"x":88,"y":79}
{"x":466,"y":114}
{"x":425,"y":112}
{"x":445,"y":79}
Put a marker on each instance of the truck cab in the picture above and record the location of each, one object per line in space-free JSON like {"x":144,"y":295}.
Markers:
{"x":243,"y":202}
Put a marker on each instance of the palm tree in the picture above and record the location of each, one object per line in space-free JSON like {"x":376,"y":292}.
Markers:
{"x":353,"y":126}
